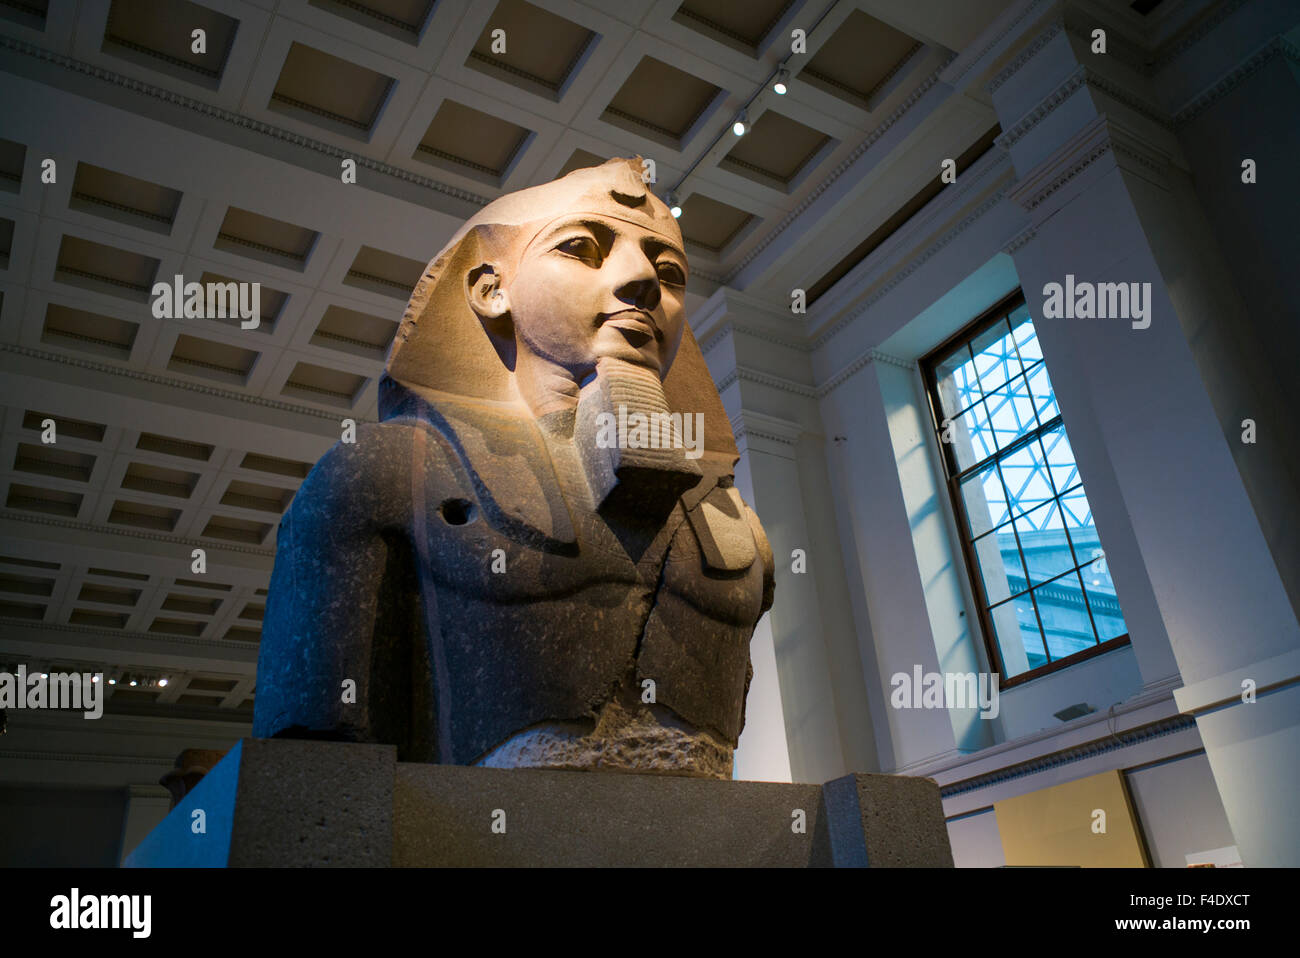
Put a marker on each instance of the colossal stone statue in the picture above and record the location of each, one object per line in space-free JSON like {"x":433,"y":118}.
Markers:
{"x":537,"y":557}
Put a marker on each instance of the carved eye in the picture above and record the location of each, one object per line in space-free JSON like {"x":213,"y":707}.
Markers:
{"x":671,"y":273}
{"x":583,"y":247}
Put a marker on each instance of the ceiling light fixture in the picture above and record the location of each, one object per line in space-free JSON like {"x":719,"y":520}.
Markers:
{"x":674,"y":204}
{"x":741,"y":126}
{"x":162,"y":683}
{"x":780,"y":87}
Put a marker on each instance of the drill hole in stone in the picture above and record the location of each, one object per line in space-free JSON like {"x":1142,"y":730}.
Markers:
{"x":457,"y":512}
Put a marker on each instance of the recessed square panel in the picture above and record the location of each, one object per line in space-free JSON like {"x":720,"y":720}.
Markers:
{"x":709,"y":223}
{"x":144,"y":516}
{"x":353,"y":332}
{"x":123,"y":198}
{"x":64,"y":426}
{"x":87,"y":332}
{"x":274,"y":466}
{"x":541,"y":49}
{"x":739,"y":25}
{"x":174,"y":627}
{"x":108,"y":594}
{"x":218,"y":361}
{"x":6,"y":241}
{"x":323,"y":89}
{"x":174,"y":447}
{"x":105,"y":269}
{"x":269,"y":304}
{"x":145,"y":477}
{"x":28,"y":13}
{"x":98,"y":620}
{"x":49,"y":460}
{"x":858,"y":58}
{"x":236,"y":530}
{"x":159,"y":34}
{"x":12,"y":157}
{"x":660,"y":100}
{"x":26,"y":585}
{"x":22,"y":610}
{"x":262,"y":238}
{"x":402,"y":19}
{"x":54,"y":502}
{"x":325,"y":385}
{"x":580,"y":160}
{"x":775,"y":150}
{"x":472,"y":142}
{"x":190,"y":605}
{"x":382,"y":272}
{"x":252,"y":495}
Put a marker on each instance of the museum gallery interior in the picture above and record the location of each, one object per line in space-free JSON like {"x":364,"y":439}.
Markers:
{"x":977,"y":315}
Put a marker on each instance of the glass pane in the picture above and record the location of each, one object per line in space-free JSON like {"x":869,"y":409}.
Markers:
{"x":1078,"y":520}
{"x":971,"y":436}
{"x":1025,"y":473}
{"x":995,"y":357}
{"x":1064,"y":612}
{"x":1026,"y":337}
{"x":958,"y":387}
{"x":1000,"y":568}
{"x":985,"y":501}
{"x":1040,"y":388}
{"x":1020,"y":644}
{"x":1011,"y":412}
{"x":1060,"y":459}
{"x":1106,"y":614}
{"x":1042,"y":539}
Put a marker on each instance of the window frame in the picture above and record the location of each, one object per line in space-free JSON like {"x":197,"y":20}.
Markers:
{"x":952,"y":475}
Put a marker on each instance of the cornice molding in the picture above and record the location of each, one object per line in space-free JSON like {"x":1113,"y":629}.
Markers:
{"x":118,"y":635}
{"x":1044,"y":37}
{"x":912,"y":99}
{"x":1194,"y":34}
{"x":883,"y":357}
{"x":204,"y":388}
{"x":136,"y":534}
{"x":81,"y":758}
{"x":1019,"y":240}
{"x":911,"y":267}
{"x":1074,"y":156}
{"x":1277,"y":46}
{"x":1076,"y":81}
{"x":748,"y":374}
{"x":756,"y":425}
{"x":956,"y":78}
{"x":236,"y":119}
{"x":1111,"y":743}
{"x":846,"y":373}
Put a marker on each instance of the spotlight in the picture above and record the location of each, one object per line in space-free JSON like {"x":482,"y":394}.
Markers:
{"x":162,"y":683}
{"x":779,"y":87}
{"x":132,"y":683}
{"x":674,"y":204}
{"x":112,"y":681}
{"x":741,"y":125}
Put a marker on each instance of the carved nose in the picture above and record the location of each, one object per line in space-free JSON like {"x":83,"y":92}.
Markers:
{"x":638,"y":283}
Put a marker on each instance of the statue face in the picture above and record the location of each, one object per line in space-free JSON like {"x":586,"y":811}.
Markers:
{"x":590,"y":286}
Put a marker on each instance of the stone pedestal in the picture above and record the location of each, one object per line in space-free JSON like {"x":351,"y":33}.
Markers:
{"x":299,"y":803}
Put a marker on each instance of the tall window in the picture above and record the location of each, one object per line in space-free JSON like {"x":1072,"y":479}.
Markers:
{"x":1035,"y":560}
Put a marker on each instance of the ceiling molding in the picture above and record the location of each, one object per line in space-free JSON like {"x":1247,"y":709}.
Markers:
{"x":1044,"y":37}
{"x":237,"y":119}
{"x":1277,"y":46}
{"x":136,"y":374}
{"x":912,"y":99}
{"x":73,"y":524}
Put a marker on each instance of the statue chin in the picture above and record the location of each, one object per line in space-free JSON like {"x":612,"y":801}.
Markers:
{"x":645,"y":739}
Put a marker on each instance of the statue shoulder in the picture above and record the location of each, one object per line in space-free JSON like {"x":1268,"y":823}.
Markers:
{"x":365,"y":482}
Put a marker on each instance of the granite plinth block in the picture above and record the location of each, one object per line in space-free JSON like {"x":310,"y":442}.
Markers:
{"x":274,"y":803}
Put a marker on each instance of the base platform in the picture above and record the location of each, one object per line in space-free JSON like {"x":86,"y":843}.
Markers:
{"x":290,"y":803}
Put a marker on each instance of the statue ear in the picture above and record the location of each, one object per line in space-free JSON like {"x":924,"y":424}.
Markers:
{"x":491,"y":304}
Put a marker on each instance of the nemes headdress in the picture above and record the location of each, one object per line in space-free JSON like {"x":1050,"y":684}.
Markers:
{"x":441,"y":346}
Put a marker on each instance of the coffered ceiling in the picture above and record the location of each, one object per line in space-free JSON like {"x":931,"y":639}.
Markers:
{"x":226,"y":165}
